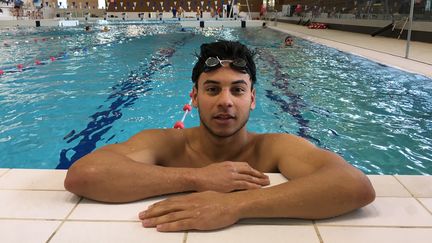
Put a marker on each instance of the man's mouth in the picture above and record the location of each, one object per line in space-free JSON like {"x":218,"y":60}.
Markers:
{"x":223,"y":116}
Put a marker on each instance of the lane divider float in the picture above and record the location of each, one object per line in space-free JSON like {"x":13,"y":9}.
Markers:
{"x":187,"y":108}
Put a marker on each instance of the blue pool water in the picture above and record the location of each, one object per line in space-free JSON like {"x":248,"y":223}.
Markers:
{"x":102,"y":88}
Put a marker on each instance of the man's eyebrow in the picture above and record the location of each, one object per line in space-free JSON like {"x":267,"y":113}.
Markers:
{"x":241,"y":81}
{"x":209,"y":81}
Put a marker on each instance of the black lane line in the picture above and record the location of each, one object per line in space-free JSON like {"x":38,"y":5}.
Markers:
{"x":123,"y":95}
{"x":281,"y":81}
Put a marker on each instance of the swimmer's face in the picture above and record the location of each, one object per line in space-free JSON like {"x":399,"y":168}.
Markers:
{"x":288,"y":42}
{"x":224,"y":99}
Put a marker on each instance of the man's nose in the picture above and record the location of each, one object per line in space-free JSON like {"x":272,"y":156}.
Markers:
{"x":225,"y":98}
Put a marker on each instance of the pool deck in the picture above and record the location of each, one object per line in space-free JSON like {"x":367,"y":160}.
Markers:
{"x":384,"y":50}
{"x":35,"y":207}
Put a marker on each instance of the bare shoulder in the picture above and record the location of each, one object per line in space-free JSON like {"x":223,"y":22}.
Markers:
{"x":296,"y":156}
{"x":156,"y":137}
{"x":283,"y":142}
{"x":151,"y":145}
{"x":144,"y":139}
{"x":271,"y":148}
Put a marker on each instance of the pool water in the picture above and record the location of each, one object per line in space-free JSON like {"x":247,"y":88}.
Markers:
{"x":103,"y":87}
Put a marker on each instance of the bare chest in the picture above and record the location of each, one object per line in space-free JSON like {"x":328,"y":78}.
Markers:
{"x":192,"y":159}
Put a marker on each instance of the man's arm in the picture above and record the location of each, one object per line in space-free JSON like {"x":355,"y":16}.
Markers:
{"x":321,"y":185}
{"x":128,"y":172}
{"x":125,"y":172}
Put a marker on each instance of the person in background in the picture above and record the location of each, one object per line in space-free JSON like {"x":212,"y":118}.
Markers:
{"x":299,"y":10}
{"x":212,"y":12}
{"x":174,"y":12}
{"x":198,"y":12}
{"x":180,"y":12}
{"x":219,"y":12}
{"x":288,"y":41}
{"x":263,"y":11}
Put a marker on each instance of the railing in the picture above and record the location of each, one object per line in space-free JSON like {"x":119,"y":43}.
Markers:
{"x":371,"y":9}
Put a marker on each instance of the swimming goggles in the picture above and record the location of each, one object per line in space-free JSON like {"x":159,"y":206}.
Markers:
{"x":238,"y":64}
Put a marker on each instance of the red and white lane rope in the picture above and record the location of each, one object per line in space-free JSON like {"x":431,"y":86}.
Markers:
{"x":187,"y":108}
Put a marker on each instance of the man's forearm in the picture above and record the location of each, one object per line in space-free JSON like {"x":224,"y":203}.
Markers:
{"x":324,"y":194}
{"x":109,"y":177}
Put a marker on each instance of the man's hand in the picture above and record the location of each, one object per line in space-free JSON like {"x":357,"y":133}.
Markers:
{"x":229,"y":176}
{"x":202,"y":211}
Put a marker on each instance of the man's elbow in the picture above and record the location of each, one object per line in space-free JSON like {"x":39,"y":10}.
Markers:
{"x":364,"y":192}
{"x":71,"y":183}
{"x":77,"y":180}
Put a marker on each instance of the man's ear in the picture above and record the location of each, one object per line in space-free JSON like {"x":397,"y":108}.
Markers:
{"x":194,"y":95}
{"x":253,"y":96}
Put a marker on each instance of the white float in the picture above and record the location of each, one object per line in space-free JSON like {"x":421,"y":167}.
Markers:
{"x":68,"y":23}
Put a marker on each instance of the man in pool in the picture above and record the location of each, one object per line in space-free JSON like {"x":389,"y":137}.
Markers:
{"x":220,"y":161}
{"x":288,"y":41}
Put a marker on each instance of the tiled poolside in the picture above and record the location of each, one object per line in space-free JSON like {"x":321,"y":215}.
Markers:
{"x":34,"y":207}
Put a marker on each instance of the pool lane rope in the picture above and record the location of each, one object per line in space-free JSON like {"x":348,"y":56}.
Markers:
{"x":37,"y":62}
{"x":20,"y":67}
{"x":187,"y":108}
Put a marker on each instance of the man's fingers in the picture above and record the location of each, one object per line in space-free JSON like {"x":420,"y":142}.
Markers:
{"x":252,"y":179}
{"x":167,"y":218}
{"x":181,"y":225}
{"x":160,"y":208}
{"x":246,"y":169}
{"x":244,"y":185}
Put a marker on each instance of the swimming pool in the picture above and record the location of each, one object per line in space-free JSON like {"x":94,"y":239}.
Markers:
{"x":103,"y":87}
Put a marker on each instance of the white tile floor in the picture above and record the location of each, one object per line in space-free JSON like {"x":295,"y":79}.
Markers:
{"x":34,"y":207}
{"x":257,"y":233}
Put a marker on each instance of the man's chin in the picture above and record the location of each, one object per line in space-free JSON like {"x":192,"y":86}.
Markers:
{"x":223,"y":134}
{"x":223,"y":130}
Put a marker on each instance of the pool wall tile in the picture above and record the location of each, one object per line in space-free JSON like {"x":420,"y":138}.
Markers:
{"x":427,"y":202}
{"x":385,"y":211}
{"x":3,"y":172}
{"x":388,"y":186}
{"x":256,"y":234}
{"x":92,"y":210}
{"x":13,"y":231}
{"x":115,"y":232}
{"x":36,"y":204}
{"x":419,"y":186}
{"x":276,"y":179}
{"x":35,"y":201}
{"x":29,"y":179}
{"x":381,"y":235}
{"x":275,"y":221}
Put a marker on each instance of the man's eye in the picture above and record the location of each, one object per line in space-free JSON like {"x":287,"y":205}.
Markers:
{"x":212,"y":90}
{"x":238,"y":90}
